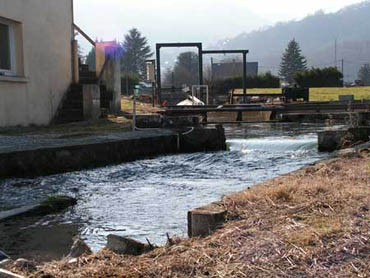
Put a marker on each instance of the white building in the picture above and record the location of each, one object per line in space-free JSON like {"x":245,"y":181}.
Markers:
{"x":36,"y":61}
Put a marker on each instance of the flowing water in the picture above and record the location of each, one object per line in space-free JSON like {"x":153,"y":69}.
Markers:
{"x":149,"y":198}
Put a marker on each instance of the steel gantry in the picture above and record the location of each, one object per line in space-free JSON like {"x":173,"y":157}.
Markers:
{"x":201,"y":52}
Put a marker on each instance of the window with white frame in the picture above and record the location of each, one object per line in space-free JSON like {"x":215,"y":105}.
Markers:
{"x":7,"y":48}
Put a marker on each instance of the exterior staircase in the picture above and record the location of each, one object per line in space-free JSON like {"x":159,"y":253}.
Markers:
{"x":71,"y":108}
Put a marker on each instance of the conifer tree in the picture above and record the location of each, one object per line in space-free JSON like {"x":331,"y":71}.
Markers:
{"x":136,"y":51}
{"x":292,"y":62}
{"x":364,"y":74}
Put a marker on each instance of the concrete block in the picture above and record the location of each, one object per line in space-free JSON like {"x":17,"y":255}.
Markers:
{"x":330,"y":140}
{"x":126,"y":246}
{"x":79,"y":248}
{"x":203,"y":139}
{"x":91,"y":101}
{"x":148,"y":121}
{"x":346,"y":98}
{"x":205,"y":220}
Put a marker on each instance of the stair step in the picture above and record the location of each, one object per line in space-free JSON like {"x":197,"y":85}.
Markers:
{"x":73,"y":104}
{"x":84,"y":68}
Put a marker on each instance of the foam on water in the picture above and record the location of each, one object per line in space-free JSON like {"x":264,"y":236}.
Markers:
{"x":274,"y":144}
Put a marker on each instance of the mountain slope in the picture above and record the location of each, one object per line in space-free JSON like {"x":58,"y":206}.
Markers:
{"x":316,"y":34}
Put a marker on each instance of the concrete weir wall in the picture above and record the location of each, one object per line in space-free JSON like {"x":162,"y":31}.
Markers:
{"x":332,"y":140}
{"x":90,"y":152}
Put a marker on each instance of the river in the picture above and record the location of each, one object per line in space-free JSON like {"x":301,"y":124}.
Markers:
{"x":151,"y":197}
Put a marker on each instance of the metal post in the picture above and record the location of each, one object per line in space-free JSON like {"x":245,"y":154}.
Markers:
{"x":153,"y":93}
{"x":200,"y":55}
{"x":134,"y":111}
{"x":159,"y":82}
{"x":244,"y":77}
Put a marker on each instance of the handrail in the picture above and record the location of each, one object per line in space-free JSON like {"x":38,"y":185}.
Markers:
{"x":79,"y":30}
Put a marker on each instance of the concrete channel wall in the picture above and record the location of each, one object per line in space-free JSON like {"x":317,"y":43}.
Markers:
{"x":84,"y":153}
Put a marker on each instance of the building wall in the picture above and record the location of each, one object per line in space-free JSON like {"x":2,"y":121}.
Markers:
{"x":44,"y":60}
{"x":231,"y":69}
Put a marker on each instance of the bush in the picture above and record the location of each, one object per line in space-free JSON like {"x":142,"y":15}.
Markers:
{"x":260,"y":81}
{"x":317,"y":78}
{"x":132,"y":80}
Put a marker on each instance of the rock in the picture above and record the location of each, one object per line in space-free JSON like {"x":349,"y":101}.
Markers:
{"x":7,"y":274}
{"x":348,"y":153}
{"x":51,"y":205}
{"x":73,"y":261}
{"x":79,"y":248}
{"x":25,"y":265}
{"x":126,"y":246}
{"x":3,"y":256}
{"x":56,"y":204}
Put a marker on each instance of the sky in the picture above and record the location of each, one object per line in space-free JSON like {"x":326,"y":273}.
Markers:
{"x":207,"y":21}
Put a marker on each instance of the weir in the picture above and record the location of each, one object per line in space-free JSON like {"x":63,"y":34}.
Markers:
{"x":288,"y":112}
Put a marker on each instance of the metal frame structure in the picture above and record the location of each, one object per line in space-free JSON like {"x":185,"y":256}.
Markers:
{"x":201,"y":52}
{"x":168,"y":45}
{"x":244,"y":53}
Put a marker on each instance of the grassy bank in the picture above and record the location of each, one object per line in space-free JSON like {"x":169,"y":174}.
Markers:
{"x":311,"y":223}
{"x":325,"y":94}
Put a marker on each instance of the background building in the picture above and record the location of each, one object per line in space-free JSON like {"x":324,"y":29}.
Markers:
{"x":229,"y":69}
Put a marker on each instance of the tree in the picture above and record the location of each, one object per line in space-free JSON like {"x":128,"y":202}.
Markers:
{"x":186,"y":69}
{"x":136,"y":51}
{"x":364,"y":74}
{"x":90,"y":59}
{"x":292,"y":61}
{"x":315,"y":77}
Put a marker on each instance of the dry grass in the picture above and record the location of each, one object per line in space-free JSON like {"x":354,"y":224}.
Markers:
{"x":326,"y":94}
{"x":312,"y":223}
{"x":141,"y":108}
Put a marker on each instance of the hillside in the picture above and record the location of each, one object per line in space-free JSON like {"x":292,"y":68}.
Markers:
{"x":316,"y":34}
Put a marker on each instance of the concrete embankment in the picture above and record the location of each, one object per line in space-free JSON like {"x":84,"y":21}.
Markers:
{"x":44,"y":156}
{"x":332,"y":140}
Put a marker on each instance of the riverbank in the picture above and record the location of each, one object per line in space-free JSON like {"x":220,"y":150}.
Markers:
{"x":311,"y":223}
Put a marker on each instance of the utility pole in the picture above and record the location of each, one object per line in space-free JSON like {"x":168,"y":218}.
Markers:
{"x":342,"y":63}
{"x":335,"y":54}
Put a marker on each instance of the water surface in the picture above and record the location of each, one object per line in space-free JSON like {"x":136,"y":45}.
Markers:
{"x":148,"y":198}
